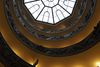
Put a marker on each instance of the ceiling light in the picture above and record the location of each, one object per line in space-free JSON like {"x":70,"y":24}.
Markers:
{"x":98,"y":64}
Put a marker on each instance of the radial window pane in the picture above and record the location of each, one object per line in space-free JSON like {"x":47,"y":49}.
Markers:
{"x":50,"y":11}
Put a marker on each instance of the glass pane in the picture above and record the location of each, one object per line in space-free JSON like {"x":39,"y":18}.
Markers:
{"x":50,"y":11}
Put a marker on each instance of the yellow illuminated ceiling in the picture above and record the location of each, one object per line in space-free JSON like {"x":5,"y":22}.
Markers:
{"x":89,"y":58}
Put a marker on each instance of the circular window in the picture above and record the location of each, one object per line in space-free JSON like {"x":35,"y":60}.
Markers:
{"x":50,"y":11}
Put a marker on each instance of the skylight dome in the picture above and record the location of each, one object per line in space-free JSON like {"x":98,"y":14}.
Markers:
{"x":50,"y":11}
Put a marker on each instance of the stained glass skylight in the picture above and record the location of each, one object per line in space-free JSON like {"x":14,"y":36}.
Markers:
{"x":50,"y":11}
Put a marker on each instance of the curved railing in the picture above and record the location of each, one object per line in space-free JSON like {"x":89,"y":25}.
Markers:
{"x":9,"y":58}
{"x":84,"y":11}
{"x":85,"y":44}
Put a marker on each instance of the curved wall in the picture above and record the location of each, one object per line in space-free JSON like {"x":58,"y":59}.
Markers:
{"x":85,"y":59}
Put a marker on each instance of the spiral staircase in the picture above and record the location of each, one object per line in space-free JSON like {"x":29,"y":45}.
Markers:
{"x":72,"y":42}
